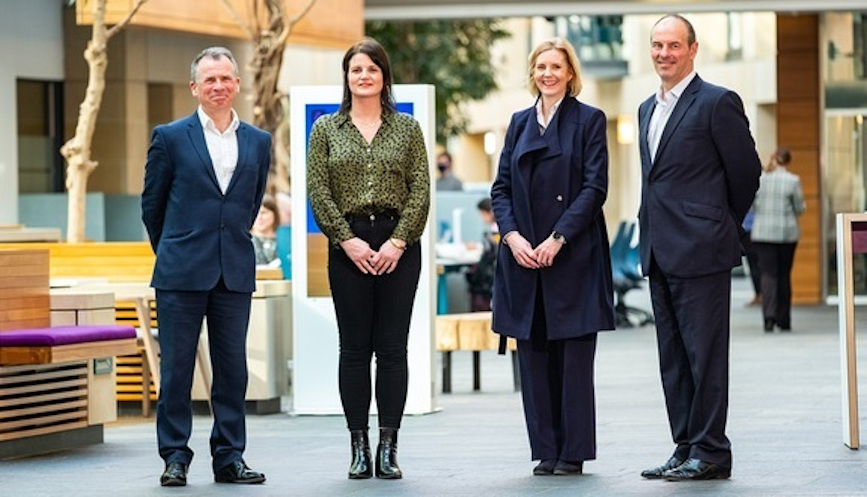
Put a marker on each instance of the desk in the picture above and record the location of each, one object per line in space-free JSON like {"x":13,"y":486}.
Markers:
{"x":452,"y":258}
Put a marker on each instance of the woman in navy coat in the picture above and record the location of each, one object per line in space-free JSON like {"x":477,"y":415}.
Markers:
{"x":553,"y":290}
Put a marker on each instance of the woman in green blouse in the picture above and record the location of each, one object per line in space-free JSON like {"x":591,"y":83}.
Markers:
{"x":368,"y":182}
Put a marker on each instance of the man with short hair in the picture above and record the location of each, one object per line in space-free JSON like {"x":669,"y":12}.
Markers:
{"x":204,"y":181}
{"x":700,"y":172}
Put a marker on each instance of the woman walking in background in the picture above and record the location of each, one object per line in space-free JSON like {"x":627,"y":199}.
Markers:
{"x":775,"y":234}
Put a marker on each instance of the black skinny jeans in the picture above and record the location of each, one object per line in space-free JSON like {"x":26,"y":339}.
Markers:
{"x":373,"y":315}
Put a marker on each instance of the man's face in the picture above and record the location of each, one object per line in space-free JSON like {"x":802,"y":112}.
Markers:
{"x":672,"y":55}
{"x":216,"y":84}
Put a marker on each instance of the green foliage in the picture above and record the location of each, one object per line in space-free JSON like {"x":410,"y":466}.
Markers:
{"x":453,"y":55}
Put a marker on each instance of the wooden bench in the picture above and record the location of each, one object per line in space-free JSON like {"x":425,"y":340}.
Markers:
{"x":470,"y":331}
{"x":56,"y":386}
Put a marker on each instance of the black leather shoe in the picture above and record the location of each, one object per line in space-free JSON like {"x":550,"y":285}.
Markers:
{"x":696,"y":469}
{"x":175,"y":475}
{"x":545,"y":467}
{"x":569,"y":468}
{"x":238,"y":472}
{"x":656,"y":473}
{"x":769,"y":324}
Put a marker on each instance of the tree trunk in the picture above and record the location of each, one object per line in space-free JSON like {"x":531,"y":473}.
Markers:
{"x":77,"y":150}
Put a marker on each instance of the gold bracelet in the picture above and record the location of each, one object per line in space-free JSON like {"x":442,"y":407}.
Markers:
{"x":397,"y":245}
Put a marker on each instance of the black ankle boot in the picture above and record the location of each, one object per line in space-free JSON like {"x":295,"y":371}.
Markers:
{"x":361,"y":467}
{"x":386,"y":455}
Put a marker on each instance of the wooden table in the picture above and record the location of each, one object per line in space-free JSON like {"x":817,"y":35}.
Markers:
{"x":470,"y":331}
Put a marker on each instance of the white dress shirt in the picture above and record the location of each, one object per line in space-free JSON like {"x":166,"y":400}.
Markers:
{"x":540,"y":116}
{"x":222,"y":147}
{"x":665,"y":103}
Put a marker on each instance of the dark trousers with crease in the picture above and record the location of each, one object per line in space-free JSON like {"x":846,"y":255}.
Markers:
{"x":692,"y":331}
{"x":180,"y":317}
{"x":373,"y":317}
{"x":558,"y":393}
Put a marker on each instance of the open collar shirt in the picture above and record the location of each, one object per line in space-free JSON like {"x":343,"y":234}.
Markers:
{"x":222,"y":147}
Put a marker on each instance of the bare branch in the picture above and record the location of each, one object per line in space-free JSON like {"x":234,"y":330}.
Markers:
{"x":290,"y":22}
{"x":246,"y":27}
{"x":122,"y":24}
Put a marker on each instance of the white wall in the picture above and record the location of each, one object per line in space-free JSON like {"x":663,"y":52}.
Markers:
{"x":31,"y":34}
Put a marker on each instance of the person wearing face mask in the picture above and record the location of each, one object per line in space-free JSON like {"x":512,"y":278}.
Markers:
{"x":553,"y":287}
{"x":447,"y":181}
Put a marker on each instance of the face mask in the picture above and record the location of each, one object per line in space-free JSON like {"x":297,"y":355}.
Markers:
{"x":442,"y":166}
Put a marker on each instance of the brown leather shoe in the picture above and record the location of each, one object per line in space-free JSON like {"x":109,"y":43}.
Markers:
{"x":657,"y":472}
{"x":238,"y":472}
{"x":696,"y":469}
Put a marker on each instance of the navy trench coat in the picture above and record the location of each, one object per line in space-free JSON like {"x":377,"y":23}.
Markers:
{"x":555,"y":182}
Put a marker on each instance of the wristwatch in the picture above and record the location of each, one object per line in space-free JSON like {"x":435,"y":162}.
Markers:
{"x":558,"y":237}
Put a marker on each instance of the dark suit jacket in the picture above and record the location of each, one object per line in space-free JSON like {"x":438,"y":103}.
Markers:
{"x":199,"y":234}
{"x":569,"y":171}
{"x":698,"y":189}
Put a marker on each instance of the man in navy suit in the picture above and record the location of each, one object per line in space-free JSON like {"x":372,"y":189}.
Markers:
{"x":204,"y":181}
{"x":700,"y":172}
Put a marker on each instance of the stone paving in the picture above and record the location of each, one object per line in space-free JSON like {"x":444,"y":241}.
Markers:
{"x":784,"y":423}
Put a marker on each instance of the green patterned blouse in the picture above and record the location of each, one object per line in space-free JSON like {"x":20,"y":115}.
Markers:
{"x":348,"y":176}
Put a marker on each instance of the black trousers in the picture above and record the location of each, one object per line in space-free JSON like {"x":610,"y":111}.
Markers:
{"x":373,"y":316}
{"x":693,"y":334}
{"x":775,"y":263}
{"x":558,"y":393}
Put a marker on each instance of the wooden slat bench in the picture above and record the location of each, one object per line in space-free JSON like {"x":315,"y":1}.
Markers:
{"x":470,"y":331}
{"x":53,"y":392}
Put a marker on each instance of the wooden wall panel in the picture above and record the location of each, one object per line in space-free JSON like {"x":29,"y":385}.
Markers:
{"x":24,"y":297}
{"x":329,"y":23}
{"x":798,"y":119}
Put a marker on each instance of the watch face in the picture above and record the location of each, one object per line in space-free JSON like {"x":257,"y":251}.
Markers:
{"x":557,"y":236}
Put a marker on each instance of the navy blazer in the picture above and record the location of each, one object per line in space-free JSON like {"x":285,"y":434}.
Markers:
{"x":698,"y":189}
{"x":197,"y":233}
{"x":555,"y":182}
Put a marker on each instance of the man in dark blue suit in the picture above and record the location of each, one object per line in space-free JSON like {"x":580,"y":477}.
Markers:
{"x":700,"y":172}
{"x":204,"y":181}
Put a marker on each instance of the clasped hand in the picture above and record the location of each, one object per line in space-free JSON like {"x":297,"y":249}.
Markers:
{"x":533,"y":258}
{"x":371,"y":261}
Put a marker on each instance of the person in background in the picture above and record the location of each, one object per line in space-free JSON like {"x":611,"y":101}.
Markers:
{"x":265,"y":232}
{"x":369,"y":187}
{"x":204,"y":181}
{"x":752,"y":258}
{"x":775,"y":234}
{"x":480,"y":277}
{"x":447,"y":181}
{"x":553,"y":288}
{"x":700,"y":172}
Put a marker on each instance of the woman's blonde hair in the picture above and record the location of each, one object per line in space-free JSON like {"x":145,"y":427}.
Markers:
{"x":563,"y":45}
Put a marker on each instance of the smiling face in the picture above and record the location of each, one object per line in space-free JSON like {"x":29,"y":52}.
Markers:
{"x":364,"y":77}
{"x":552,"y":74}
{"x":671,"y":51}
{"x":216,"y":85}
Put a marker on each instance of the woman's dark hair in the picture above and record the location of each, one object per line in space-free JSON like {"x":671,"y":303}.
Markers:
{"x":783,"y":156}
{"x":378,"y":55}
{"x":485,"y":205}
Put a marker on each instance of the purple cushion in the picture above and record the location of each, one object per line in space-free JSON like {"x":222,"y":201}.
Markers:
{"x":65,"y":335}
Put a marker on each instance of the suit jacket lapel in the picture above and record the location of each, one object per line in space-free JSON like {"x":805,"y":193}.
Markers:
{"x":643,"y":129}
{"x":683,"y":104}
{"x":197,"y":137}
